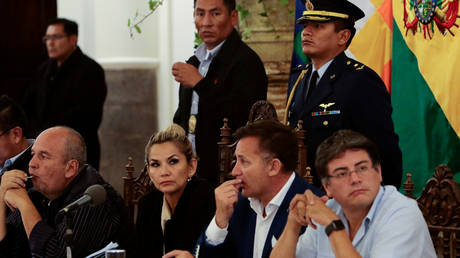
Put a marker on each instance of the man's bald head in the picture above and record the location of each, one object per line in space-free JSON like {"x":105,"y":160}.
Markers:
{"x":74,"y":146}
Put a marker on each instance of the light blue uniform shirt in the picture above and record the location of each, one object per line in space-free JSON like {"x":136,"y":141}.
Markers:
{"x":205,"y":57}
{"x":394,"y":227}
{"x":321,"y":71}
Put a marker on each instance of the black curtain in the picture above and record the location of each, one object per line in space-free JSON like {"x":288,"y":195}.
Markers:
{"x":21,"y":48}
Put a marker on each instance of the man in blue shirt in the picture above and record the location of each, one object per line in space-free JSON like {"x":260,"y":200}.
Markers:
{"x":364,"y":219}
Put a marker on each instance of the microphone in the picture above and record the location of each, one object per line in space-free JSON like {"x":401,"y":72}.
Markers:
{"x":93,"y":196}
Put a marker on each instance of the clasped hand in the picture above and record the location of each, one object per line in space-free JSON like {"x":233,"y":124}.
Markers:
{"x":306,"y":208}
{"x":12,"y":188}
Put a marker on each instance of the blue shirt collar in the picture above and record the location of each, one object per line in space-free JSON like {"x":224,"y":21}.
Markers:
{"x":368,"y":219}
{"x":202,"y":53}
{"x":321,"y":70}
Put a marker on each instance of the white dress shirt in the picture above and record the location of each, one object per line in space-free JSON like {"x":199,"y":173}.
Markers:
{"x":216,"y":235}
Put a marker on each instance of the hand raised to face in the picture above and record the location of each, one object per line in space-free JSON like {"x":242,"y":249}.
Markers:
{"x":12,"y":179}
{"x":226,"y":198}
{"x":186,"y":74}
{"x":16,"y":198}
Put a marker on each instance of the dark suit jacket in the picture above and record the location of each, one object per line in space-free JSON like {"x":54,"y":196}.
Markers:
{"x":93,"y":227}
{"x":22,"y":163}
{"x":240,"y":238}
{"x":360,"y":103}
{"x":235,"y":80}
{"x":72,"y":95}
{"x":193,"y":213}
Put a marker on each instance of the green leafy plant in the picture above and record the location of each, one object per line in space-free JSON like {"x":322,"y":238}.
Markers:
{"x":134,"y":22}
{"x":245,"y":13}
{"x":198,"y":41}
{"x":241,"y":7}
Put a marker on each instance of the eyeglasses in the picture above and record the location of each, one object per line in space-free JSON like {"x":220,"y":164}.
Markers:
{"x":6,"y":131}
{"x":346,"y":174}
{"x":53,"y":37}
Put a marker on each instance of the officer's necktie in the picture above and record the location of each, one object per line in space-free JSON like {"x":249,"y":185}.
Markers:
{"x":311,"y":86}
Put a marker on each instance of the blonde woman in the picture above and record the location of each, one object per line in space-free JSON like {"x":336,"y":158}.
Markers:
{"x":174,"y":216}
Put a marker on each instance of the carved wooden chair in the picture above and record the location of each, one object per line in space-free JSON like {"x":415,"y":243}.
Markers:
{"x":226,"y":148}
{"x":440,"y":205}
{"x":135,"y":187}
{"x":262,"y":110}
{"x":302,"y":168}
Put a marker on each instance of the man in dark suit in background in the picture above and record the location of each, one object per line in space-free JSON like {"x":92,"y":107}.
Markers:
{"x":222,"y":80}
{"x":68,"y":89}
{"x":14,"y":146}
{"x":335,"y":92}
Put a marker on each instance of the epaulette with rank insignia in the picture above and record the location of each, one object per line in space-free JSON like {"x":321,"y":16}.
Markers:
{"x":301,"y":70}
{"x":355,"y":65}
{"x":300,"y":67}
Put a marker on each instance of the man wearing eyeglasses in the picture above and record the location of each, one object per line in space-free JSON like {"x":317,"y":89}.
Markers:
{"x":68,"y":89}
{"x":14,"y":146}
{"x":363,"y":218}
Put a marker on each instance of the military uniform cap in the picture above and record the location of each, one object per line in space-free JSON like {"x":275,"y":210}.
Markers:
{"x":327,"y":10}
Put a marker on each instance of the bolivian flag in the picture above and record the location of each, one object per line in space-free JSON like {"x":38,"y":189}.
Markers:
{"x":414,"y":45}
{"x":298,"y":57}
{"x":426,"y":85}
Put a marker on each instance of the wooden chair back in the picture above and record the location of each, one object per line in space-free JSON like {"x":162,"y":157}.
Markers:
{"x":440,"y":205}
{"x":302,"y":168}
{"x":227,"y":145}
{"x":226,"y":148}
{"x":262,"y":110}
{"x":135,"y":187}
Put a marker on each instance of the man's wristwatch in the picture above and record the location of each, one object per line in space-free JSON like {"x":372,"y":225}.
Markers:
{"x":334,"y":226}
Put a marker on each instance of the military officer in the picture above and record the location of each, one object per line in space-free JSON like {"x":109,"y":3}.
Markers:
{"x":335,"y":92}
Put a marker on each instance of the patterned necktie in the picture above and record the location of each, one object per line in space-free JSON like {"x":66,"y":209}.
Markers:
{"x":311,"y":86}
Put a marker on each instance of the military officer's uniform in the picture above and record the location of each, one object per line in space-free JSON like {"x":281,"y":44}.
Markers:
{"x":349,"y":95}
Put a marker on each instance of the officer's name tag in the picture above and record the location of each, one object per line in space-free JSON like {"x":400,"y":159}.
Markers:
{"x":325,"y":113}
